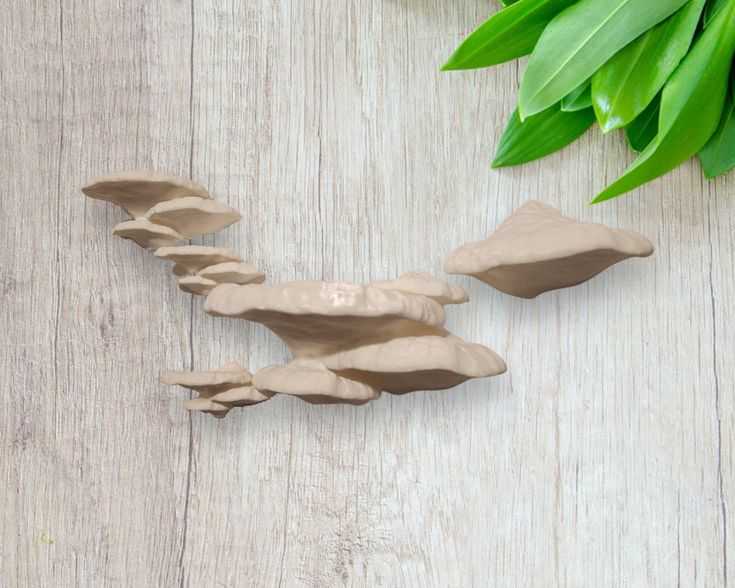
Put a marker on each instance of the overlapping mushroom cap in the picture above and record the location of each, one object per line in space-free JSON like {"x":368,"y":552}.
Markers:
{"x":314,"y":383}
{"x":219,"y":390}
{"x":419,"y":282}
{"x":318,"y":318}
{"x":193,"y":216}
{"x":138,"y":191}
{"x":189,"y":259}
{"x":416,"y":363}
{"x":147,"y":234}
{"x":537,"y":249}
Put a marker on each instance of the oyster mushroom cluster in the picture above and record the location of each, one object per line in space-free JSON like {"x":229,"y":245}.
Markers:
{"x":349,"y":342}
{"x":166,"y":210}
{"x":352,"y":342}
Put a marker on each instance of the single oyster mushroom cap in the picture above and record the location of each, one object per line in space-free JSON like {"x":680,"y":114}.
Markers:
{"x":312,"y":382}
{"x":233,"y":272}
{"x":230,"y":375}
{"x":147,"y":234}
{"x":193,"y":216}
{"x":416,"y":363}
{"x":137,"y":191}
{"x":189,"y":259}
{"x":208,"y":406}
{"x":537,"y":249}
{"x":241,"y":396}
{"x":196,"y":285}
{"x":318,"y":318}
{"x":419,"y":282}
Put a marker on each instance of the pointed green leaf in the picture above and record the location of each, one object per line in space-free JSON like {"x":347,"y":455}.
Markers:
{"x":713,"y":7}
{"x":507,"y":35}
{"x":691,"y":106}
{"x":580,"y":40}
{"x":643,"y":129}
{"x":541,"y":134}
{"x":578,"y":99}
{"x":626,"y":84}
{"x":718,"y":155}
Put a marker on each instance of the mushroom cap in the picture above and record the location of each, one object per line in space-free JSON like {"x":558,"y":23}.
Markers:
{"x":233,"y":272}
{"x":312,"y":382}
{"x":189,"y":259}
{"x":416,"y":363}
{"x":196,"y":285}
{"x":230,"y":375}
{"x":419,"y":282}
{"x":317,"y":318}
{"x":137,"y":191}
{"x":240,"y":396}
{"x":208,"y":406}
{"x":193,"y":216}
{"x":147,"y":234}
{"x":537,"y":249}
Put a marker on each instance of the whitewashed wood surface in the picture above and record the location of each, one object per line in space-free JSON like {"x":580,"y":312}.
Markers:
{"x":604,"y":457}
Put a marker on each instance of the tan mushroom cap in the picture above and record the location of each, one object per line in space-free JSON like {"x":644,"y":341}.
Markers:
{"x":147,"y":234}
{"x":416,"y":363}
{"x":205,"y":405}
{"x":312,"y":382}
{"x":233,"y":272}
{"x":189,"y":259}
{"x":137,"y":191}
{"x":196,"y":285}
{"x":193,"y":216}
{"x":419,"y":282}
{"x":317,"y":318}
{"x":537,"y":249}
{"x":241,"y":396}
{"x":230,"y":375}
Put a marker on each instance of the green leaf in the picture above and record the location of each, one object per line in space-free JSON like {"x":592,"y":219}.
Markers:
{"x":508,"y":34}
{"x":541,"y":134}
{"x":712,"y":8}
{"x":718,"y":155}
{"x":579,"y":41}
{"x":578,"y":99}
{"x":626,"y":84}
{"x":643,"y":129}
{"x":691,"y":106}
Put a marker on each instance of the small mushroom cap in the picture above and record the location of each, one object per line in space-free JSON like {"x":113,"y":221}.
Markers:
{"x":312,"y":382}
{"x":233,"y":272}
{"x":416,"y":363}
{"x":137,"y":191}
{"x":196,"y":285}
{"x":193,"y":216}
{"x":419,"y":282}
{"x":208,"y":406}
{"x":317,"y":318}
{"x":189,"y":259}
{"x":147,"y":234}
{"x":240,"y":396}
{"x":231,"y":375}
{"x":537,"y":249}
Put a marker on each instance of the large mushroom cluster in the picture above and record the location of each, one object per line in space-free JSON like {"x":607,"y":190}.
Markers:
{"x":349,"y":342}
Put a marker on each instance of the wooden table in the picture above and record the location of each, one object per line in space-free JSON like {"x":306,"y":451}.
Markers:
{"x":604,"y":457}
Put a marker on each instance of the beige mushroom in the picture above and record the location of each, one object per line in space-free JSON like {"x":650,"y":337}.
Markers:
{"x":196,"y":285}
{"x":312,"y":382}
{"x":230,"y":375}
{"x":419,"y":282}
{"x":233,"y":273}
{"x":189,"y":259}
{"x":319,"y":318}
{"x":537,"y":249}
{"x":147,"y":234}
{"x":207,"y":406}
{"x":240,"y":396}
{"x":137,"y":191}
{"x":416,"y":363}
{"x":193,"y":216}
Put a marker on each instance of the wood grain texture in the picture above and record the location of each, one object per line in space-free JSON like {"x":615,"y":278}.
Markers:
{"x":603,"y":458}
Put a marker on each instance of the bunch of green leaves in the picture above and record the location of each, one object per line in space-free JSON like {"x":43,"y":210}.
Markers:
{"x":658,"y":69}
